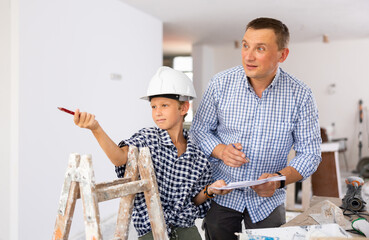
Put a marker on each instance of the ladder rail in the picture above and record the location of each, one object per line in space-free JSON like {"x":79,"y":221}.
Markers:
{"x":126,"y":203}
{"x":68,"y":200}
{"x":87,"y":187}
{"x":152,"y":196}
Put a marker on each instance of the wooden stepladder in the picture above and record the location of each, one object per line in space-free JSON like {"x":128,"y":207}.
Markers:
{"x":80,"y":183}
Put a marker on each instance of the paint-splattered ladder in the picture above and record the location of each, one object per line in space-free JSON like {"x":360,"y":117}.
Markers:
{"x":79,"y":183}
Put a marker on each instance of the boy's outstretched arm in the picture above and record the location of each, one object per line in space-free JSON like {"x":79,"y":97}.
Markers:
{"x":118,"y":156}
{"x":201,"y":197}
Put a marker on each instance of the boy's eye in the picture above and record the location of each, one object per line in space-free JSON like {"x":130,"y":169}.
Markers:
{"x":165,"y":105}
{"x":153,"y":107}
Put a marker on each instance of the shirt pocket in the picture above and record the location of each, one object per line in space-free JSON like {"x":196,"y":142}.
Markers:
{"x":279,"y":137}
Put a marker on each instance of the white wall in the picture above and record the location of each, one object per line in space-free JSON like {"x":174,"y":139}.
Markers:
{"x":67,"y":52}
{"x":343,"y":63}
{"x":203,"y":68}
{"x":5,"y":88}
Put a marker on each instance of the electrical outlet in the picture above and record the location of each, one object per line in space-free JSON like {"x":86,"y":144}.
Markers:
{"x":115,"y":76}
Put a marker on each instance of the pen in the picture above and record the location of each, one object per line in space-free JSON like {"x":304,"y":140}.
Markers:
{"x":66,"y":110}
{"x":247,"y":159}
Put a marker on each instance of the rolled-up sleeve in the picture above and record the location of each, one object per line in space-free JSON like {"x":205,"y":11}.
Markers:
{"x":307,"y":139}
{"x":203,"y":128}
{"x":136,"y":140}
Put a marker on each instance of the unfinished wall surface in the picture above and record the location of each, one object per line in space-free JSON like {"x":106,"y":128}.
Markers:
{"x":69,"y":51}
{"x":343,"y":63}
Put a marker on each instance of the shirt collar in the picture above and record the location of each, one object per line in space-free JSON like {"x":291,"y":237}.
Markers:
{"x":275,"y":81}
{"x":166,"y":140}
{"x":271,"y":85}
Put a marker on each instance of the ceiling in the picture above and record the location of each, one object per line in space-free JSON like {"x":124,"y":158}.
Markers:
{"x":223,"y":21}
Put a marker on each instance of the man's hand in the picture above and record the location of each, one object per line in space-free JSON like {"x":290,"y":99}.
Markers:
{"x":266,"y":189}
{"x":85,"y":120}
{"x":231,"y":156}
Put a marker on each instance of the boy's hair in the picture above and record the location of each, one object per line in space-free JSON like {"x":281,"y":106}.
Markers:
{"x":280,"y":29}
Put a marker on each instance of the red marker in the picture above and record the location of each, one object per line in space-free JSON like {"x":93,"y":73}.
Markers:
{"x":66,"y":110}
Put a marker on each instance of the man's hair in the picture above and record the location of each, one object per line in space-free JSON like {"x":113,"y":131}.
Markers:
{"x":280,"y":29}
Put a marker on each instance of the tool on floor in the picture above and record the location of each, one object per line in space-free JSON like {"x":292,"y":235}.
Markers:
{"x":79,"y":183}
{"x":353,"y":201}
{"x":361,"y":116}
{"x":363,"y":164}
{"x":361,"y":225}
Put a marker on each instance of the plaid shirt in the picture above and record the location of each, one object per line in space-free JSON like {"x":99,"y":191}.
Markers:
{"x":179,"y":179}
{"x":267,"y":127}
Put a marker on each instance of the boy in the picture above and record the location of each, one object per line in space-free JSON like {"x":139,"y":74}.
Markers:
{"x":182,"y":170}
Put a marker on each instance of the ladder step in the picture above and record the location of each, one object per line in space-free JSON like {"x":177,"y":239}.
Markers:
{"x":107,"y":193}
{"x":110,"y":190}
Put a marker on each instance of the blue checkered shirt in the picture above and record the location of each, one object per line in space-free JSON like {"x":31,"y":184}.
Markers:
{"x":179,"y":179}
{"x":267,"y":127}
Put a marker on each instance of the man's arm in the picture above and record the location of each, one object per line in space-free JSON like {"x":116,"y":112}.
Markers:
{"x":118,"y":156}
{"x":307,"y":146}
{"x":307,"y":139}
{"x":203,"y":131}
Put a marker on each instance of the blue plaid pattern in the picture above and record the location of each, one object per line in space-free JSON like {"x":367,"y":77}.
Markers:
{"x":267,"y":127}
{"x":179,"y":179}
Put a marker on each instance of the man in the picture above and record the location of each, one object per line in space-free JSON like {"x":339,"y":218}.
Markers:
{"x":248,"y":120}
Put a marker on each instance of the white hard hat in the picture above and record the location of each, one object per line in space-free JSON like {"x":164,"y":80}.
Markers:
{"x":168,"y":81}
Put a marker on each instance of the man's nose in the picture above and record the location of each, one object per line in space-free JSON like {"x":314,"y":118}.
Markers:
{"x":249,"y":55}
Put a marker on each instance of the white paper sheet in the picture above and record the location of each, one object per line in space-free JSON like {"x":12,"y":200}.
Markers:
{"x":326,"y":231}
{"x":234,"y":185}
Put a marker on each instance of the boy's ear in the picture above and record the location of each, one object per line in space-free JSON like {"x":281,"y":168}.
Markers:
{"x":185,"y":107}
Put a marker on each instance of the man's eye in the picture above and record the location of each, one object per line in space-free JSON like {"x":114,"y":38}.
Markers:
{"x":165,"y":105}
{"x":153,"y":107}
{"x":245,"y":46}
{"x":261,"y":49}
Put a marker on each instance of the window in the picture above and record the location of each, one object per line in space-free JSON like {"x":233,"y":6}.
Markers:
{"x":184,"y":64}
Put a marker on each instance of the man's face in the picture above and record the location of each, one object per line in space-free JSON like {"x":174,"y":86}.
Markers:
{"x":260,"y":54}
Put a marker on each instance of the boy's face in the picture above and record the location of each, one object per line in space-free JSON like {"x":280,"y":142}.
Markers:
{"x":167,"y":113}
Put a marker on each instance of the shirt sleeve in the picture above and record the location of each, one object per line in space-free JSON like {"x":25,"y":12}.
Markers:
{"x":307,"y":139}
{"x":204,"y":180}
{"x":204,"y":126}
{"x":137,"y":140}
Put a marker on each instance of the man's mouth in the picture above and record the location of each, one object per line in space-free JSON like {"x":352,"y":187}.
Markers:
{"x":250,"y":66}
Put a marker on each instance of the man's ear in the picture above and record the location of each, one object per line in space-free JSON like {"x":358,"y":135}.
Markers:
{"x":284,"y":54}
